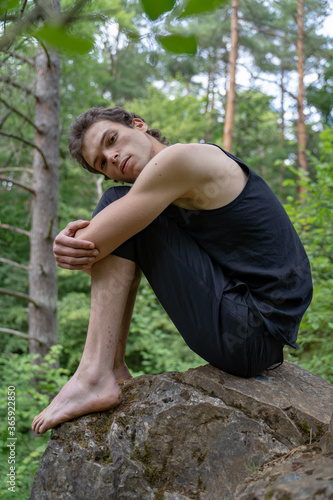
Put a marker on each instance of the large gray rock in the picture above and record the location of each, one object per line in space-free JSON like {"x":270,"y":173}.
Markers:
{"x":192,"y":435}
{"x":305,"y":473}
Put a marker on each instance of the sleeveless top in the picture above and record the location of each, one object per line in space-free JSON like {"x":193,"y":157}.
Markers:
{"x":259,"y":251}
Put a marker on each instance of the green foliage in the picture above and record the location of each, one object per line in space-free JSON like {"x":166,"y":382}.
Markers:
{"x":179,"y":44}
{"x":156,"y":9}
{"x":6,"y":5}
{"x":194,"y":7}
{"x":22,"y":372}
{"x":180,"y":117}
{"x":73,"y":318}
{"x":154,"y":345}
{"x":177,"y":40}
{"x":58,"y":37}
{"x":312,"y":219}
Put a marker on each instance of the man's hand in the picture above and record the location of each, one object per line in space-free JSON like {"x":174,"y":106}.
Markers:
{"x":71,"y":253}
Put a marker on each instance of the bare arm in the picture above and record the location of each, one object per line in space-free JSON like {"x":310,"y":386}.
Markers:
{"x":168,"y":176}
{"x":71,"y":253}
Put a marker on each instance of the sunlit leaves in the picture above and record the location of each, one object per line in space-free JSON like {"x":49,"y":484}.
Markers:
{"x":7,"y":5}
{"x":198,"y":6}
{"x":176,"y":43}
{"x":179,"y":44}
{"x":155,"y":8}
{"x":58,"y":37}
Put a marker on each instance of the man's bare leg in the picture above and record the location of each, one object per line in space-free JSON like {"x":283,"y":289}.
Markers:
{"x":120,"y":368}
{"x":93,"y":386}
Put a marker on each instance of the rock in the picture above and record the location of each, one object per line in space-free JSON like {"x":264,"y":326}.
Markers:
{"x":195,"y":435}
{"x":303,"y":474}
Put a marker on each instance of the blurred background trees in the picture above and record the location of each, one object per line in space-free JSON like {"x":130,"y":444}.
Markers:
{"x":282,"y":127}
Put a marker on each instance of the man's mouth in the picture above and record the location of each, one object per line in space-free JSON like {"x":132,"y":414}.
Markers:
{"x":123,"y":165}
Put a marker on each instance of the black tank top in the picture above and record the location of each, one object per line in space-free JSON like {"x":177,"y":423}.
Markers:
{"x":255,"y":243}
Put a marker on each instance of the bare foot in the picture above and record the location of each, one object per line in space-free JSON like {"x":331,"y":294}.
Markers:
{"x":122,"y":373}
{"x":79,"y":397}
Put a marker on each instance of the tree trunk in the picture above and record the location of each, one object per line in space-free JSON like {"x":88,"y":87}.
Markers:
{"x":282,"y":131}
{"x":301,"y":129}
{"x":231,"y":95}
{"x":43,"y":274}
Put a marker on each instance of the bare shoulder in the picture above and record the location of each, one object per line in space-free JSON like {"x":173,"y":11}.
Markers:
{"x":192,"y":159}
{"x":183,"y":174}
{"x":195,"y":152}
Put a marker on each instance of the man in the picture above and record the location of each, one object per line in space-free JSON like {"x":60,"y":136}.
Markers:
{"x":212,"y":239}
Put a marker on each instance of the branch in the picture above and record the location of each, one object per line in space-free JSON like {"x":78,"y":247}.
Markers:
{"x":17,"y":183}
{"x":20,"y":334}
{"x":19,"y":56}
{"x":21,"y":115}
{"x":71,"y":14}
{"x":29,"y":143}
{"x":23,"y":7}
{"x":256,"y":77}
{"x":15,"y":229}
{"x":18,"y":86}
{"x":18,"y":295}
{"x":16,"y":169}
{"x":3,"y":118}
{"x":18,"y":27}
{"x":15,"y":264}
{"x":39,"y":12}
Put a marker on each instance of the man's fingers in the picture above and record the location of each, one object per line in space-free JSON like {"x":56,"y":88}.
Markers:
{"x":61,"y":253}
{"x":75,"y":262}
{"x":72,"y":253}
{"x":77,"y":224}
{"x":63,"y":243}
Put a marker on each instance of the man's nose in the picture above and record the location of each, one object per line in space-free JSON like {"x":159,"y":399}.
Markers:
{"x":112,"y":156}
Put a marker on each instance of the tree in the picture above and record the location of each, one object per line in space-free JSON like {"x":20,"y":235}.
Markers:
{"x":42,"y":20}
{"x":42,"y":295}
{"x":280,"y":37}
{"x":42,"y":274}
{"x":17,"y":99}
{"x":231,"y":95}
{"x":301,"y":129}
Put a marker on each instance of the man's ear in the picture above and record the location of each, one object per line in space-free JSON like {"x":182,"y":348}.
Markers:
{"x":140,"y":124}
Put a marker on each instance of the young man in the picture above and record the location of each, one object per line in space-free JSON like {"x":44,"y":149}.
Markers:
{"x":212,"y":239}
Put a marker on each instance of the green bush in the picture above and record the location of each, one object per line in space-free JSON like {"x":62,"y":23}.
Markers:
{"x":313,"y":221}
{"x":22,"y":372}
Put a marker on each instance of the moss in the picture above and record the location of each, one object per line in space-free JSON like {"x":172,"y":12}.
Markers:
{"x":269,"y":494}
{"x":123,"y":421}
{"x":151,"y":474}
{"x":159,"y":495}
{"x":108,"y":460}
{"x":303,"y":426}
{"x":199,"y":456}
{"x":241,"y":408}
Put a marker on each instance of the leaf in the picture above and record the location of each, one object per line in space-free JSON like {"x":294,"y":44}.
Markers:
{"x":198,"y":6}
{"x":179,"y":44}
{"x":8,"y":4}
{"x":59,"y":38}
{"x":155,"y":8}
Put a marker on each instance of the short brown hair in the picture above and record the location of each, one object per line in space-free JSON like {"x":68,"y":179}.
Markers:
{"x":84,"y":121}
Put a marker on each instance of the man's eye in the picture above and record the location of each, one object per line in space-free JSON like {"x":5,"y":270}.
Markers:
{"x":103,"y":163}
{"x":112,"y":139}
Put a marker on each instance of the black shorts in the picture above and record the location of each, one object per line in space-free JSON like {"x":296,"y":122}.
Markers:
{"x":215,"y":318}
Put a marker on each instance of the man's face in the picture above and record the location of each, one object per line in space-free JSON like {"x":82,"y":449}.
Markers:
{"x":119,"y":152}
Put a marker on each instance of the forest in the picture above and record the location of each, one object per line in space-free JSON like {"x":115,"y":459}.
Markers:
{"x":253,"y":76}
